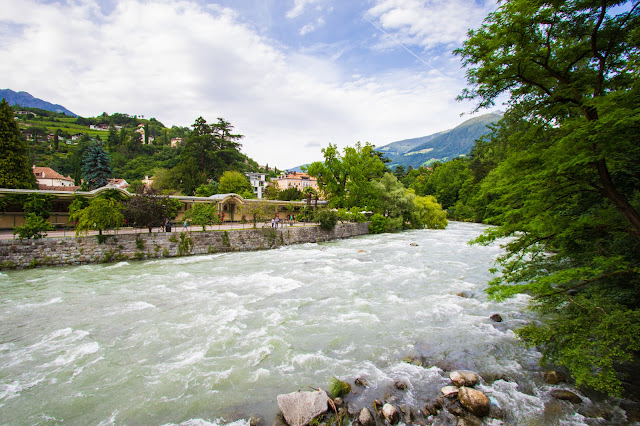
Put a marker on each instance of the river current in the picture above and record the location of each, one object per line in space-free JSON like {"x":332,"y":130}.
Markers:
{"x":214,"y":339}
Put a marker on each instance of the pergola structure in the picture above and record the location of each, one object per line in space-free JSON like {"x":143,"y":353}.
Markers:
{"x":13,"y":215}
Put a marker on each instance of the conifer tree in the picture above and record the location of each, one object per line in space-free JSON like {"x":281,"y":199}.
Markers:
{"x":96,"y":167}
{"x":15,"y":171}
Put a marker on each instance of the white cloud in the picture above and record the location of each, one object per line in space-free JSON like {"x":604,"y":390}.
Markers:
{"x":428,"y":23}
{"x":299,"y":7}
{"x":175,"y":61}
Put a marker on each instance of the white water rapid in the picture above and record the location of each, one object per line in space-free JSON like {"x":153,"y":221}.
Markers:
{"x":214,"y":339}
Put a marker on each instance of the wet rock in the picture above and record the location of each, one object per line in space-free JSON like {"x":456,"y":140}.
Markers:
{"x":366,"y":418}
{"x":414,"y":244}
{"x":299,"y":408}
{"x":406,"y":413}
{"x":463,"y":294}
{"x":449,"y":391}
{"x":469,"y":420}
{"x":279,"y":421}
{"x":429,"y":410}
{"x":553,"y":377}
{"x":439,"y":402}
{"x":338,"y":402}
{"x":362,"y":382}
{"x":255,"y":421}
{"x":400,"y":385}
{"x":414,"y":360}
{"x":464,"y":378}
{"x":377,"y":405}
{"x":566,"y":395}
{"x":390,"y":413}
{"x":495,"y":318}
{"x":456,"y":409}
{"x":475,"y":401}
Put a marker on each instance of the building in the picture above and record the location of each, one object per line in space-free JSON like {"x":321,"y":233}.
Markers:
{"x":176,"y":142}
{"x":258,"y":182}
{"x":118,"y":183}
{"x":48,"y":178}
{"x":297,"y":180}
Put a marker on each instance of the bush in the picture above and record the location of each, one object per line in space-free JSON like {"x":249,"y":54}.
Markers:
{"x":34,"y":227}
{"x":378,"y":224}
{"x":327,"y":218}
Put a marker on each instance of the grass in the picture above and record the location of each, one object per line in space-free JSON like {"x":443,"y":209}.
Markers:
{"x":338,"y":388}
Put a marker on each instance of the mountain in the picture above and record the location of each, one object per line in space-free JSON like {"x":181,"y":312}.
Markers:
{"x":440,"y":146}
{"x":24,"y":99}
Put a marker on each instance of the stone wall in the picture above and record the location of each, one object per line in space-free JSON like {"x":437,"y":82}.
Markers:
{"x":81,"y":250}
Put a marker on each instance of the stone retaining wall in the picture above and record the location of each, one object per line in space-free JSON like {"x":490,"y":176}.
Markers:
{"x":81,"y":250}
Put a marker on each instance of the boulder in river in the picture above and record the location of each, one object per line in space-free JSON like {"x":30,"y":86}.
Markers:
{"x":362,"y":382}
{"x":566,"y":395}
{"x":495,"y":318}
{"x":390,"y":413}
{"x":366,"y":418}
{"x":400,"y":385}
{"x":449,"y":391}
{"x":299,"y":408}
{"x":464,"y":378}
{"x":475,"y":401}
{"x":553,"y":377}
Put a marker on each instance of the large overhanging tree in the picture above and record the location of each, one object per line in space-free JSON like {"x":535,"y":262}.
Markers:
{"x":567,"y":189}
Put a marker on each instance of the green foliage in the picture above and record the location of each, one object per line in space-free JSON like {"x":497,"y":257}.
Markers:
{"x":96,"y":168}
{"x":35,"y":227}
{"x":257,"y":210}
{"x":15,"y":167}
{"x":338,"y":388}
{"x":378,"y":224}
{"x":39,"y":204}
{"x":234,"y":182}
{"x":185,"y":245}
{"x":225,"y":239}
{"x":290,"y":194}
{"x":560,"y":175}
{"x":139,"y":243}
{"x":327,"y":219}
{"x":346,"y":180}
{"x":101,"y":214}
{"x":202,"y":214}
{"x":427,"y":213}
{"x":393,"y":199}
{"x":207,"y":189}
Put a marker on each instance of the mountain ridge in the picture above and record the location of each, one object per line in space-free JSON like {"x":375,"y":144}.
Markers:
{"x":25,"y":99}
{"x":439,"y":146}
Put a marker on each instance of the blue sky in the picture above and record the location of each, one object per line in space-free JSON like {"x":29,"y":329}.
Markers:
{"x":291,"y":75}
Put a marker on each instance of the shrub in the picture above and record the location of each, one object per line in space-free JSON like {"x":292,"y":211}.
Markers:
{"x":34,"y":227}
{"x":327,"y":219}
{"x":378,"y":224}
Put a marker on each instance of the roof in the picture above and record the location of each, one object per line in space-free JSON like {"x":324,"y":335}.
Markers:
{"x":48,"y":173}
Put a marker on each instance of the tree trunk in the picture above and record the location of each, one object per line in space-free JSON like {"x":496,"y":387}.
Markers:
{"x":618,"y":200}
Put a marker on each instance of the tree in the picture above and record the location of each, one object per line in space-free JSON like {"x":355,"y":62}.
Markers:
{"x":101,"y":214}
{"x":258,"y":211}
{"x":96,"y":168}
{"x":202,"y":214}
{"x":112,"y":139}
{"x":15,"y":170}
{"x":565,"y":186}
{"x":146,"y":210}
{"x":346,"y":180}
{"x":235,"y":182}
{"x":394,"y":199}
{"x":427,"y":213}
{"x":290,"y":194}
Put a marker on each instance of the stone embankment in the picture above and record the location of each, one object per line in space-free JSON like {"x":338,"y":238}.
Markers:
{"x":114,"y":248}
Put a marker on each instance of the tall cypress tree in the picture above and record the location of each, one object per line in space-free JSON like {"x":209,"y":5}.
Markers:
{"x":96,"y":166}
{"x":15,"y":170}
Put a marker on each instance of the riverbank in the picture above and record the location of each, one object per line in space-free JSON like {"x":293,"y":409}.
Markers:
{"x":64,"y":251}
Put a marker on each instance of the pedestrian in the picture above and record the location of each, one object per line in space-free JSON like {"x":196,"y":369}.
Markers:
{"x":277,"y":221}
{"x":168,"y":225}
{"x":184,"y":226}
{"x":273,"y":222}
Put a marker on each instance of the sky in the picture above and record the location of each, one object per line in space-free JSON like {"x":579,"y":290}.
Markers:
{"x":291,"y":76}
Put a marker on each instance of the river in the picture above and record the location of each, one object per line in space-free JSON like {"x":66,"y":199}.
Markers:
{"x":214,"y":339}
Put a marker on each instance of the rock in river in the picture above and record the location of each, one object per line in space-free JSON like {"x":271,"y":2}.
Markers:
{"x":299,"y":408}
{"x":475,"y":401}
{"x":366,"y":418}
{"x":566,"y":395}
{"x":390,"y":414}
{"x":464,"y":378}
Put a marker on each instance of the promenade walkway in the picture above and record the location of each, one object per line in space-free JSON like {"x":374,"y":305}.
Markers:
{"x":7,"y":234}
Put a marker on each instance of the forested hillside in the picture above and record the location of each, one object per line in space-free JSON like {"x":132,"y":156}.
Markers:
{"x":137,"y":147}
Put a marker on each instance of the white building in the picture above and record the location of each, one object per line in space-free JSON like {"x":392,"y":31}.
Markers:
{"x":258,"y":182}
